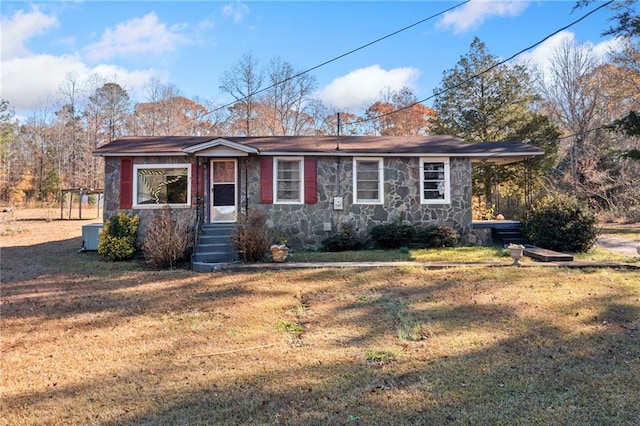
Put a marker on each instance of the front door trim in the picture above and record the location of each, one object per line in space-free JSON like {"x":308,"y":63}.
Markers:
{"x":223,"y":194}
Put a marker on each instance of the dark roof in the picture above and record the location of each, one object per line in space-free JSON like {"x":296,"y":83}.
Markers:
{"x":326,"y":145}
{"x":151,"y":144}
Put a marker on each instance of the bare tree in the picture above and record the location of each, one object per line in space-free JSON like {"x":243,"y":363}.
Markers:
{"x":583,"y":97}
{"x":287,"y":103}
{"x":169,"y":113}
{"x":570,"y":101}
{"x":242,"y":83}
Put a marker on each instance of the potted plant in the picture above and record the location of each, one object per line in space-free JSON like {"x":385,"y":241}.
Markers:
{"x":516,"y":251}
{"x":280,"y":251}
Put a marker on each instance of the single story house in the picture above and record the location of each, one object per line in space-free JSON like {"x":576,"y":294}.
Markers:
{"x":307,"y":186}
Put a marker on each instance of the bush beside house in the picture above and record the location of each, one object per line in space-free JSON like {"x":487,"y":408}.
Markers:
{"x":562,"y":223}
{"x":118,"y":237}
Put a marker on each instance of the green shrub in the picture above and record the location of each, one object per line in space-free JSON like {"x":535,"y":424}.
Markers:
{"x":435,"y":237}
{"x":346,"y":239}
{"x":562,"y":223}
{"x":392,"y":235}
{"x":252,"y":237}
{"x":167,"y":240}
{"x":118,"y":237}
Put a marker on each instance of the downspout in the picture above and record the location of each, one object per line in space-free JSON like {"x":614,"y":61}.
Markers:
{"x":246,"y":185}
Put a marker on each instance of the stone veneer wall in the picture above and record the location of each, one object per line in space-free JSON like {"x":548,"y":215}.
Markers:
{"x":303,"y":225}
{"x":112,"y":192}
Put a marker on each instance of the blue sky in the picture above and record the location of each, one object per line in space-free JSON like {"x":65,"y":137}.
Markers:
{"x":192,"y":43}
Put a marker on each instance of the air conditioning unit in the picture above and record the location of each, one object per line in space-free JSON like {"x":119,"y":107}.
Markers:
{"x":91,"y":235}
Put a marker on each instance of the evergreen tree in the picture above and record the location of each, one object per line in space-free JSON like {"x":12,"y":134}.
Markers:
{"x":481,"y":101}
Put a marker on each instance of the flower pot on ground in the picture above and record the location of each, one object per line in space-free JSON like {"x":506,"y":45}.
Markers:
{"x":516,"y":251}
{"x":279,"y":252}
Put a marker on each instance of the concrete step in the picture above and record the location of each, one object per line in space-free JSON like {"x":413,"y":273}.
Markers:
{"x":215,"y":256}
{"x":215,"y":239}
{"x":210,"y":266}
{"x":215,"y":247}
{"x":226,"y":229}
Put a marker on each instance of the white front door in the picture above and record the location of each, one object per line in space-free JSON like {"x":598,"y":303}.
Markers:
{"x":223,"y":190}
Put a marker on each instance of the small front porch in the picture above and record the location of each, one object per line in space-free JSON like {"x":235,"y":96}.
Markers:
{"x":498,"y":232}
{"x":214,"y":247}
{"x":219,"y":205}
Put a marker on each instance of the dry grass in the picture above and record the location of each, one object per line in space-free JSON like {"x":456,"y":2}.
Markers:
{"x":460,"y":255}
{"x":92,"y":342}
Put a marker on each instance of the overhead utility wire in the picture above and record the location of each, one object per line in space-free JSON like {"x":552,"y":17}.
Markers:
{"x":364,"y":120}
{"x":585,"y":132}
{"x":338,"y":57}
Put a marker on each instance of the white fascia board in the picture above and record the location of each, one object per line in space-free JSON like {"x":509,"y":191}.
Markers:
{"x":220,"y":142}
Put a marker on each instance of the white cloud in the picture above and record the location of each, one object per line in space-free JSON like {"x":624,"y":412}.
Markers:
{"x":20,"y":27}
{"x":29,"y":79}
{"x":146,"y":35}
{"x":235,"y":10}
{"x":25,"y":85}
{"x":605,"y":48}
{"x":474,"y":13}
{"x":541,"y":56}
{"x":364,"y":86}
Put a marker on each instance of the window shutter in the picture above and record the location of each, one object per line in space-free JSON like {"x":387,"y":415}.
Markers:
{"x":126,"y":183}
{"x":266,"y":181}
{"x":310,"y":181}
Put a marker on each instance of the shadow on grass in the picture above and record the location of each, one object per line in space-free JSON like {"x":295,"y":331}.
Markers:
{"x":541,"y":373}
{"x":542,"y":376}
{"x":51,"y":281}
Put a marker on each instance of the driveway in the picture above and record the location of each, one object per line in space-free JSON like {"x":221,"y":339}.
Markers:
{"x":619,"y":245}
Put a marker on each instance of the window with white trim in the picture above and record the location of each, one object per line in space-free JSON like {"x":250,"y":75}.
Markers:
{"x":435,"y":184}
{"x":288,"y":172}
{"x":367,"y":180}
{"x":161,"y":184}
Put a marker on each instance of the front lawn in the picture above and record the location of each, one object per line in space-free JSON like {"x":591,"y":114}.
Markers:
{"x":92,"y":342}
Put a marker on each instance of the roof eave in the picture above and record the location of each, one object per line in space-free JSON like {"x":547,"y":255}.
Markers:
{"x":139,"y":154}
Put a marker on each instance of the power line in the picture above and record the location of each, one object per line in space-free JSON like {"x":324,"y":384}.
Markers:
{"x":336,"y":58}
{"x":364,"y":120}
{"x":586,"y":132}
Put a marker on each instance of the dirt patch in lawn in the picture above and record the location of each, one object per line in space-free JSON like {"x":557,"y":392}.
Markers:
{"x":27,"y":234}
